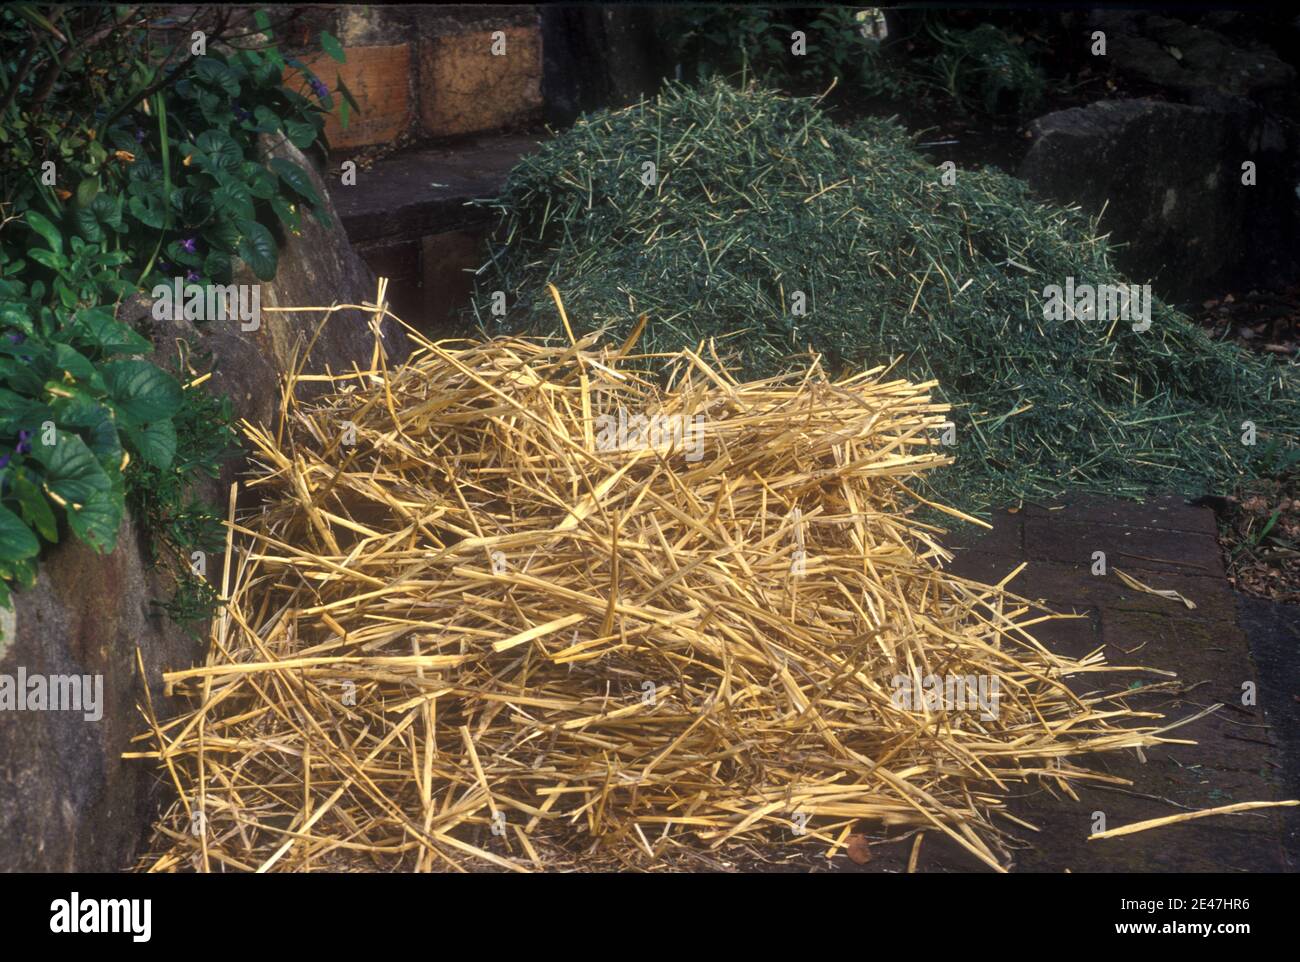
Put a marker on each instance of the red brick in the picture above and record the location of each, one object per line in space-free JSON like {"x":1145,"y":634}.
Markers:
{"x":464,"y":88}
{"x":379,"y":78}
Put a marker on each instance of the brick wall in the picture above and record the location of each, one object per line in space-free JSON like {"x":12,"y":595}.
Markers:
{"x":454,"y":87}
{"x":423,"y":72}
{"x":423,"y":75}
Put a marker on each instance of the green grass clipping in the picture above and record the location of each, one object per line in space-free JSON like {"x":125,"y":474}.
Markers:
{"x":755,"y":198}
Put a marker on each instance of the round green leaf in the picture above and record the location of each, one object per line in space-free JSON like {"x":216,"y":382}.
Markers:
{"x":94,"y":505}
{"x":35,"y":506}
{"x":218,"y":151}
{"x":16,"y":539}
{"x":257,"y":249}
{"x":155,"y":442}
{"x":295,"y":177}
{"x":141,"y":391}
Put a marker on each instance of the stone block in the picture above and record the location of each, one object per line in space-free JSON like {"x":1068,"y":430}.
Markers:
{"x":465,"y":87}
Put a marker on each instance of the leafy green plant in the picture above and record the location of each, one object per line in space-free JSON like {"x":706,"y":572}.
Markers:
{"x":187,"y":528}
{"x":1276,"y":459}
{"x":713,"y":41}
{"x":843,"y":46}
{"x":128,"y":157}
{"x":75,"y":403}
{"x":981,"y":69}
{"x":171,"y":164}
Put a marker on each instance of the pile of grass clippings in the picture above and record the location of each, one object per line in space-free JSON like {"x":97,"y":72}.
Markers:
{"x":757,"y":198}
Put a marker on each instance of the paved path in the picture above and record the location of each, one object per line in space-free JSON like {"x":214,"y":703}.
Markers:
{"x":1164,"y":543}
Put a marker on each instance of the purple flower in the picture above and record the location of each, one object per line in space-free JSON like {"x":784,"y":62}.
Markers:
{"x":139,"y":135}
{"x":24,"y":447}
{"x":241,"y":113}
{"x":190,"y":245}
{"x":4,"y":460}
{"x":15,"y":338}
{"x":319,"y":89}
{"x":191,"y":275}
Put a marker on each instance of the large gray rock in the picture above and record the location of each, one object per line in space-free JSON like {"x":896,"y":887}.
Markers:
{"x":317,"y":269}
{"x":1169,"y":178}
{"x":1186,"y":59}
{"x":68,"y":801}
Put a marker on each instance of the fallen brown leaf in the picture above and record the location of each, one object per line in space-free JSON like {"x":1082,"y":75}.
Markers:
{"x":859,"y":849}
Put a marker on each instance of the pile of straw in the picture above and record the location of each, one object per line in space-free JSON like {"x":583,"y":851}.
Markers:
{"x":465,"y":631}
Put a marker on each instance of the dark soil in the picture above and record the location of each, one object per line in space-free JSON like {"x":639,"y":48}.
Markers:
{"x":1258,"y":320}
{"x":1259,"y":533}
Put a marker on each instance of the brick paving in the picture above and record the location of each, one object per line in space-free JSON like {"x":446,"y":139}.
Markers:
{"x":1164,"y":543}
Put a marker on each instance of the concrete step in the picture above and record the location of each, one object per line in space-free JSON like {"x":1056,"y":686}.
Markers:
{"x":409,"y":218}
{"x":424,"y":191}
